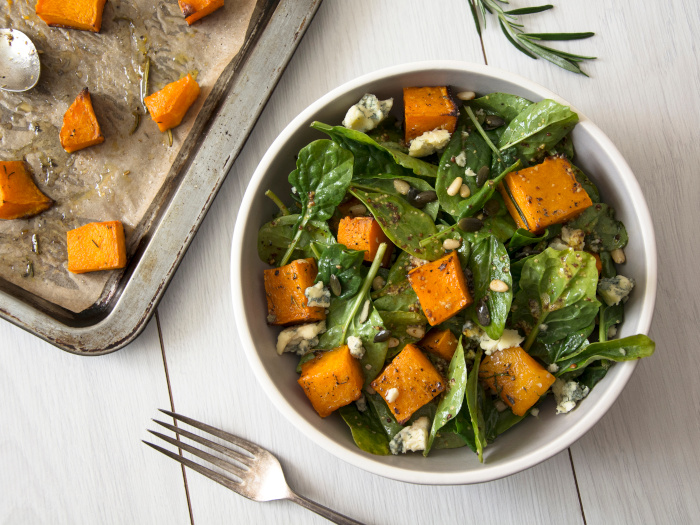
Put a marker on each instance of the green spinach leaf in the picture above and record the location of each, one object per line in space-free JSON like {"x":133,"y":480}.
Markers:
{"x":383,"y":183}
{"x":523,"y":237}
{"x":542,"y":125}
{"x":625,"y":349}
{"x":367,"y":432}
{"x":475,"y":414}
{"x":602,"y":231}
{"x":383,"y":414}
{"x":501,"y":104}
{"x":608,"y":317}
{"x":587,"y":184}
{"x":275,"y":237}
{"x":345,"y":264}
{"x":556,"y":351}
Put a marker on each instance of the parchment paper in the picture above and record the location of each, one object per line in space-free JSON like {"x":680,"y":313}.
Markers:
{"x":116,"y":180}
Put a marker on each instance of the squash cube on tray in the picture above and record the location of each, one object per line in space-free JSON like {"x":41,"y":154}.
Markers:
{"x":516,"y":377}
{"x":168,"y":106}
{"x":544,"y":194}
{"x":365,"y":235}
{"x":284,"y":289}
{"x":441,"y":288}
{"x":193,"y":10}
{"x":408,"y":382}
{"x":332,"y":380}
{"x":72,"y":14}
{"x":441,"y":343}
{"x":96,"y":246}
{"x":19,"y":196}
{"x":80,"y":128}
{"x":428,"y":108}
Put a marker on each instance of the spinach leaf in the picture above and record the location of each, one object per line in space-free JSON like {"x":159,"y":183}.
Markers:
{"x":367,"y":432}
{"x":608,"y":264}
{"x":602,"y":231}
{"x":501,"y":104}
{"x":593,"y":373}
{"x":397,"y":322}
{"x":383,"y":183}
{"x":523,"y":237}
{"x":475,"y":202}
{"x":371,"y":158}
{"x":389,"y":135}
{"x":475,"y":414}
{"x":489,"y":261}
{"x":542,"y":125}
{"x":608,"y":317}
{"x":345,"y":264}
{"x":556,"y":351}
{"x":625,"y":349}
{"x":383,"y":414}
{"x":449,"y":437}
{"x":587,"y":184}
{"x":564,"y":147}
{"x":323,"y":173}
{"x":399,"y":298}
{"x":403,"y":224}
{"x":556,"y":293}
{"x":451,"y":401}
{"x":275,"y":237}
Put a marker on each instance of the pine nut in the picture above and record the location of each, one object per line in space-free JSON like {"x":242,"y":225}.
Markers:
{"x":378,"y":283}
{"x":393,"y":342}
{"x":466,"y":95}
{"x":498,"y":286}
{"x":416,"y":330}
{"x":357,"y":210}
{"x":618,"y":256}
{"x":402,"y":186}
{"x":464,"y":191}
{"x":454,"y":188}
{"x":451,"y":244}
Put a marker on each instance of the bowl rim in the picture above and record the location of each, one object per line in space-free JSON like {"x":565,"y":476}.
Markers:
{"x":359,"y":458}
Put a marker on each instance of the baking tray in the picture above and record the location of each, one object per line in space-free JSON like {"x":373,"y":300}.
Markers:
{"x":218,"y":135}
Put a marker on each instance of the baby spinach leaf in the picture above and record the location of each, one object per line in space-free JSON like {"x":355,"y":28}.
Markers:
{"x":564,"y":147}
{"x":557,"y":291}
{"x":275,"y":237}
{"x":608,"y":317}
{"x":593,"y":373}
{"x":345,"y":264}
{"x":451,"y":401}
{"x":608,"y":264}
{"x":561,"y":349}
{"x":602,"y":231}
{"x":403,"y":224}
{"x":389,"y":135}
{"x":371,"y":158}
{"x":323,"y":173}
{"x":542,"y":123}
{"x":475,"y":414}
{"x":489,"y":261}
{"x":523,"y":237}
{"x":449,"y":437}
{"x":587,"y":184}
{"x":474,"y":203}
{"x":384,"y":183}
{"x":383,"y":414}
{"x":501,"y":104}
{"x":367,"y":432}
{"x":625,"y":349}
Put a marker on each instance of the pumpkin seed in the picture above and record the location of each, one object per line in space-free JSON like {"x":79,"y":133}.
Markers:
{"x":470,"y":224}
{"x":336,"y":288}
{"x":491,"y":207}
{"x":482,"y":312}
{"x":423,"y":198}
{"x":382,"y":335}
{"x":482,"y":176}
{"x":492,"y":122}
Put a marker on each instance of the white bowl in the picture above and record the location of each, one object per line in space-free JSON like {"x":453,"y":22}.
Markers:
{"x":530,"y":442}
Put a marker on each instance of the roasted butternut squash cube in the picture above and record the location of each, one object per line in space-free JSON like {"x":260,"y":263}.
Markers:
{"x":72,"y":14}
{"x":441,"y":288}
{"x":284,"y":289}
{"x":428,"y":108}
{"x":544,"y":194}
{"x":168,"y":106}
{"x":365,"y":235}
{"x":196,"y":9}
{"x":80,"y":128}
{"x":516,"y":377}
{"x":19,"y":196}
{"x":441,"y":343}
{"x":408,"y":382}
{"x":96,"y":246}
{"x":332,"y":380}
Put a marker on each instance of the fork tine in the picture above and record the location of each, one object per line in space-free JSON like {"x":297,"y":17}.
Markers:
{"x":228,"y":467}
{"x":233,"y":454}
{"x":240,"y":442}
{"x":215,"y":476}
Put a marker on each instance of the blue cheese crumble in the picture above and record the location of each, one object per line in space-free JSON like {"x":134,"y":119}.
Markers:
{"x":318,"y":295}
{"x":509,"y":339}
{"x":356,"y":348}
{"x":367,"y":113}
{"x":429,"y":142}
{"x":413,"y":438}
{"x":614,"y":289}
{"x":300,"y":339}
{"x":567,"y":394}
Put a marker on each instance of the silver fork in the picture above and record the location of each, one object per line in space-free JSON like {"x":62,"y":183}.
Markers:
{"x":258,"y":473}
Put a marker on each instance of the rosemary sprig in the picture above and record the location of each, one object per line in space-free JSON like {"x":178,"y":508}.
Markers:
{"x":529,"y":43}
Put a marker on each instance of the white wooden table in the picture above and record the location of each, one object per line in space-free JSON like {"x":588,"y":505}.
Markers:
{"x":70,"y":427}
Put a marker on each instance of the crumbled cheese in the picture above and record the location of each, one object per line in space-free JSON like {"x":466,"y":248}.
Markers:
{"x":367,"y":113}
{"x":615,"y":289}
{"x":509,"y":339}
{"x":558,"y":245}
{"x":612,"y":332}
{"x":573,"y":237}
{"x":535,"y":412}
{"x":361,"y":403}
{"x":553,"y":368}
{"x":461,"y":159}
{"x":300,"y":339}
{"x":356,"y":348}
{"x":499,"y":405}
{"x":413,"y":438}
{"x":429,"y":142}
{"x":392,"y":395}
{"x":469,"y":172}
{"x":567,"y":394}
{"x":318,"y":295}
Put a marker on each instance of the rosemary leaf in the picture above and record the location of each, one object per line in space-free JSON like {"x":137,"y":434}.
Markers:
{"x":529,"y":10}
{"x":559,"y":36}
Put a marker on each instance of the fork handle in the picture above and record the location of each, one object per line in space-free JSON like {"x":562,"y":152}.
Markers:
{"x":327,"y":513}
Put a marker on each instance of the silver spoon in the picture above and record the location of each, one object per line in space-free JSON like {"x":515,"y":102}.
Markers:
{"x":19,"y":61}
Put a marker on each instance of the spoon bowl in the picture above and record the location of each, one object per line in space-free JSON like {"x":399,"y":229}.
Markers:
{"x":19,"y":61}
